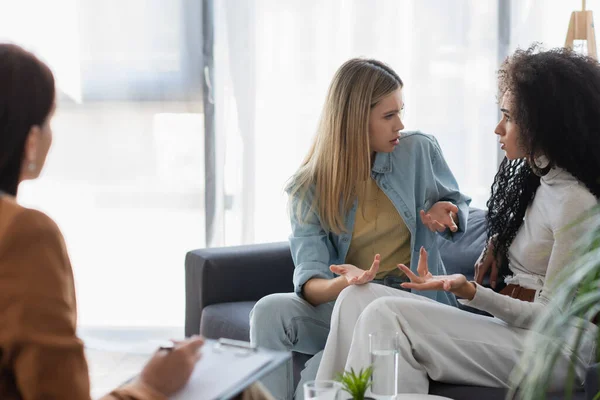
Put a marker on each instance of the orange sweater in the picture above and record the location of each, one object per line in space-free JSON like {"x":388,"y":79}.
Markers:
{"x":40,"y":354}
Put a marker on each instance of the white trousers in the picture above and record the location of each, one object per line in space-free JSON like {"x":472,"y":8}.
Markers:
{"x":437,"y":341}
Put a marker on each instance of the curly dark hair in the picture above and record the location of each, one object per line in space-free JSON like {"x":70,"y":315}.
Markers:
{"x":556,"y":105}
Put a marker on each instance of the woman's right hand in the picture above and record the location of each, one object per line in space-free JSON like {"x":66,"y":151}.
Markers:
{"x":355,"y":275}
{"x":168,"y":371}
{"x":485,"y":263}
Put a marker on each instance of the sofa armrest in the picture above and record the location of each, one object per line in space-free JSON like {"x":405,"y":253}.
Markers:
{"x":230,"y":274}
{"x":592,"y":381}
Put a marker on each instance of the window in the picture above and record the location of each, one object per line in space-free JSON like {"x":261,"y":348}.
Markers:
{"x":125,"y":176}
{"x":274,"y":60}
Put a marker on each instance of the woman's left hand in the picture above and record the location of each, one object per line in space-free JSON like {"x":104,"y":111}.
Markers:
{"x":457,"y":283}
{"x":440,"y":217}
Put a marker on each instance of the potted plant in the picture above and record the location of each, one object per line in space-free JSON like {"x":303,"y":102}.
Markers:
{"x":356,"y":384}
{"x":575,"y":302}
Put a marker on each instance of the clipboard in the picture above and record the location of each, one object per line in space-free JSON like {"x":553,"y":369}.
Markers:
{"x":227,"y":367}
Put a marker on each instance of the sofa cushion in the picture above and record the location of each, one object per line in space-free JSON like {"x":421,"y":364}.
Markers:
{"x":464,"y":392}
{"x":460,"y":257}
{"x":228,"y":320}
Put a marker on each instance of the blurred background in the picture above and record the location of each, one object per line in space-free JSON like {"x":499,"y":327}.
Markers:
{"x":180,"y":121}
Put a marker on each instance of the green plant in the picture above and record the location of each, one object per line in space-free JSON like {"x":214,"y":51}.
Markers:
{"x":356,"y":384}
{"x":575,"y":301}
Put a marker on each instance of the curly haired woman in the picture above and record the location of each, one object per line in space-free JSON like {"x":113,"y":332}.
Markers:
{"x":549,"y":178}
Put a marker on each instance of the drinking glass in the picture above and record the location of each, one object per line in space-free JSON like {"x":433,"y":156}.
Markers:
{"x":384,"y":348}
{"x":322,"y":390}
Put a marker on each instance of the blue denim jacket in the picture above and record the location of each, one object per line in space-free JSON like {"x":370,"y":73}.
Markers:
{"x":414,"y":177}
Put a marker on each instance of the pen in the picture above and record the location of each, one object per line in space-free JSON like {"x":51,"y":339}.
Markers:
{"x":236,"y":343}
{"x":166,"y":345}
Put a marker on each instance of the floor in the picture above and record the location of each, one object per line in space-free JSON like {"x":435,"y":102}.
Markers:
{"x":115,"y":355}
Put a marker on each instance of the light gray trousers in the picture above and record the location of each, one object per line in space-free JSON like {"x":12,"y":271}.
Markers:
{"x":437,"y":341}
{"x":287,"y":322}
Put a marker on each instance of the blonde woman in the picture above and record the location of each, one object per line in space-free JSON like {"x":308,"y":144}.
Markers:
{"x":365,"y":199}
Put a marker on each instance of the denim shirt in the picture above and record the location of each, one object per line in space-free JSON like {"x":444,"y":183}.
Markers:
{"x":414,"y":177}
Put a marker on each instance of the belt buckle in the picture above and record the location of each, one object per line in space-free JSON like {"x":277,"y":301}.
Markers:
{"x":392,"y":281}
{"x":395,"y":282}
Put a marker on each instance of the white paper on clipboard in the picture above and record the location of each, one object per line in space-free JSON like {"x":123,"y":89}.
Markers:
{"x":218,"y":371}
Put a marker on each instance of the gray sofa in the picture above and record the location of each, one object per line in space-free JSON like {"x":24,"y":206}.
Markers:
{"x":223,"y":284}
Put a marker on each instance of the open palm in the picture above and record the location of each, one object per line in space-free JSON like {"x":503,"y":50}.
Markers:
{"x":426,"y":281}
{"x":355,"y":275}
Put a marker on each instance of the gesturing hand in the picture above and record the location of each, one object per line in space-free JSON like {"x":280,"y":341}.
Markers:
{"x":355,"y":275}
{"x":456,"y":283}
{"x":439,"y":217}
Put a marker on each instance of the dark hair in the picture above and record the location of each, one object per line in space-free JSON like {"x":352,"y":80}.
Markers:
{"x":26,"y":98}
{"x":556,"y":105}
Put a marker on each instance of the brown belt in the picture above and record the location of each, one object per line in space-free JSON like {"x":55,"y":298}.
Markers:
{"x":521,"y":293}
{"x":518,"y":292}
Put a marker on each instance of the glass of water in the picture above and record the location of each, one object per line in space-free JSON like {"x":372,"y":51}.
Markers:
{"x":322,"y":390}
{"x":384,"y":348}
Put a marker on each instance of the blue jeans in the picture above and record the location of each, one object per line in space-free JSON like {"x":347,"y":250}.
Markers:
{"x":286,"y":322}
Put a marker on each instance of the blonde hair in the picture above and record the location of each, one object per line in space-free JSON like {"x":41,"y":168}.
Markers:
{"x":339,"y":157}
